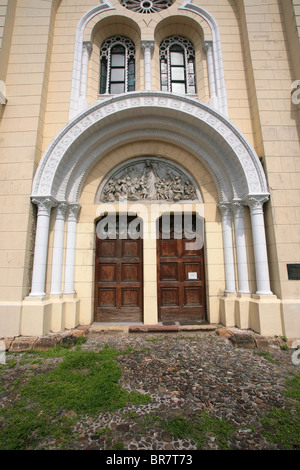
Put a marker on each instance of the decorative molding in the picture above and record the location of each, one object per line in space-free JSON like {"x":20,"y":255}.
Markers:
{"x":78,"y":53}
{"x":61,"y":210}
{"x":44,"y":204}
{"x":232,"y":161}
{"x":225,"y":208}
{"x":255,"y":203}
{"x":217,"y":52}
{"x":73,"y":212}
{"x":237,"y":208}
{"x":147,"y":46}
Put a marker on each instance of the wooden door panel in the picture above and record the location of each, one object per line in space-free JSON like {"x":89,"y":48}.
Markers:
{"x":191,"y":271}
{"x":192,"y":296}
{"x":130,"y":297}
{"x":107,"y":272}
{"x":107,"y":248}
{"x":181,"y":280}
{"x":130,"y":272}
{"x":107,"y":297}
{"x":169,"y":248}
{"x":169,"y":296}
{"x":119,"y":280}
{"x":168,"y":272}
{"x":130,"y":249}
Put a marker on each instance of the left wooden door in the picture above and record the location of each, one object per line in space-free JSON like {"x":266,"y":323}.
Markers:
{"x":119,"y":280}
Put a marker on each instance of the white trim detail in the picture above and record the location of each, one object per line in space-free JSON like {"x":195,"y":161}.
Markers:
{"x":225,"y":209}
{"x":45,"y":205}
{"x":147,"y":47}
{"x":78,"y":54}
{"x":216,"y":53}
{"x":191,"y":124}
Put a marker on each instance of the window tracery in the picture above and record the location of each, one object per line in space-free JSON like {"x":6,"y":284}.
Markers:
{"x":117,"y":59}
{"x":146,"y":6}
{"x":177,"y":65}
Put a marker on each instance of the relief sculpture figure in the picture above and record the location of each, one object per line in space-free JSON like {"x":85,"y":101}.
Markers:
{"x":149,"y":180}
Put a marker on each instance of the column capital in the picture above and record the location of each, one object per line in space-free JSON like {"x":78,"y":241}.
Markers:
{"x":73,"y":211}
{"x":237,"y":207}
{"x":87,"y":46}
{"x":61,"y":210}
{"x":147,"y":46}
{"x":207,"y":46}
{"x":44,"y":204}
{"x":225,"y":208}
{"x":256,"y":202}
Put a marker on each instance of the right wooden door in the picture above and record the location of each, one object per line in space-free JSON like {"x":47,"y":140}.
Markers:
{"x":181,"y":278}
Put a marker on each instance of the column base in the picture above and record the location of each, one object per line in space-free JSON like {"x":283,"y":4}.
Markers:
{"x":36,"y":316}
{"x":290,"y":312}
{"x":10,"y":319}
{"x":265,"y":315}
{"x":40,"y":316}
{"x":227,"y":309}
{"x":71,"y":311}
{"x":58,"y":313}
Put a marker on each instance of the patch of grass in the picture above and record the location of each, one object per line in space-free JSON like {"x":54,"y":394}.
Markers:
{"x":282,"y":426}
{"x":95,"y":374}
{"x":266,"y":355}
{"x":117,"y":446}
{"x":200,"y":428}
{"x":83,"y":382}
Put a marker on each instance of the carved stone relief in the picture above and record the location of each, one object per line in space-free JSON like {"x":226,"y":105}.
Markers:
{"x":148,"y":179}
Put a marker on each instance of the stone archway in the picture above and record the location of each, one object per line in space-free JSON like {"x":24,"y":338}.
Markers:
{"x":184,"y":122}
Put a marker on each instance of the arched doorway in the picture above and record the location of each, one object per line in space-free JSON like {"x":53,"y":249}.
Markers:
{"x":190,"y":126}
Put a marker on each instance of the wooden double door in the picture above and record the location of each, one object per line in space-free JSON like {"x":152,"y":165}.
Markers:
{"x":119,"y":279}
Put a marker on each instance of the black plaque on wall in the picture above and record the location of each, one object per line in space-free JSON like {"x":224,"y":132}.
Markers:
{"x":293,"y":272}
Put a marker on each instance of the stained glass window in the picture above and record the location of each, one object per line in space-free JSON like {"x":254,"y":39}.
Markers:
{"x":117,"y":71}
{"x":177,"y":65}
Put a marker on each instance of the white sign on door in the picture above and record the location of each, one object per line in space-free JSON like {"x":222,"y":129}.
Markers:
{"x":193,"y":276}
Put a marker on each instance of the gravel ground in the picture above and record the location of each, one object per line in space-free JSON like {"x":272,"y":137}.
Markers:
{"x":186,"y":373}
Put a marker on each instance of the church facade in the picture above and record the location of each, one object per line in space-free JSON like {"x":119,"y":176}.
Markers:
{"x":150,"y":164}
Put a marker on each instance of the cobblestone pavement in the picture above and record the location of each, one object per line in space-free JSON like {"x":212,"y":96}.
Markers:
{"x":185,"y":374}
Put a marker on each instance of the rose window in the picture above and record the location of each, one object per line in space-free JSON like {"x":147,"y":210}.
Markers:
{"x":146,"y":6}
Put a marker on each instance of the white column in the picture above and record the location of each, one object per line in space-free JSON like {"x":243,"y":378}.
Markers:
{"x":240,"y":243}
{"x":225,"y":210}
{"x":41,"y":246}
{"x":58,"y":249}
{"x":86,"y":51}
{"x":259,"y":243}
{"x":71,"y":249}
{"x":208,"y":47}
{"x":147,"y":47}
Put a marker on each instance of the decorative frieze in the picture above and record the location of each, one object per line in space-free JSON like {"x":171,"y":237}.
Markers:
{"x":149,"y":179}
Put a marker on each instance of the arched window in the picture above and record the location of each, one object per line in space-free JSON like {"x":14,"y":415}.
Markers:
{"x":177,"y":65}
{"x":117,"y":59}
